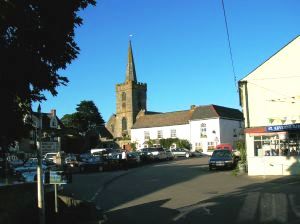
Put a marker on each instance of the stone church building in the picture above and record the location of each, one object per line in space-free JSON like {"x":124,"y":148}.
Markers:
{"x":131,"y":98}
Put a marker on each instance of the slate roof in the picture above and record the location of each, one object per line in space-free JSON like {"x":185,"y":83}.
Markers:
{"x":214,"y":111}
{"x":163,"y":119}
{"x":104,"y":133}
{"x":183,"y":117}
{"x":46,"y":118}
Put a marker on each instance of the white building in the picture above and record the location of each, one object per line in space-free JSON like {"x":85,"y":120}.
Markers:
{"x":270,"y":98}
{"x":203,"y":126}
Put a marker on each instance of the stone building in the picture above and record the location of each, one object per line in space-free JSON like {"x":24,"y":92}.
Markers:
{"x":131,"y":97}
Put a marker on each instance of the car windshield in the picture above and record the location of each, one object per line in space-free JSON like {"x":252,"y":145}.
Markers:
{"x":221,"y":154}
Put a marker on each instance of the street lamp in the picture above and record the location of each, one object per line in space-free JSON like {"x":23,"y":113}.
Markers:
{"x":40,"y":186}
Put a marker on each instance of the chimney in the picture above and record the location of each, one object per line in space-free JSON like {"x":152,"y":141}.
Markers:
{"x":53,"y":113}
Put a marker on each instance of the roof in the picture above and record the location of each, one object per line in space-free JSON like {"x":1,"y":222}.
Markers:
{"x":183,"y":117}
{"x":104,"y":133}
{"x":46,"y":118}
{"x":130,"y":70}
{"x":163,"y":119}
{"x":213,"y":111}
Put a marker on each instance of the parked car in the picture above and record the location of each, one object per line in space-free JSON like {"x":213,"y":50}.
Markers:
{"x":92,"y":163}
{"x":133,"y":159}
{"x":29,"y":166}
{"x":170,"y":155}
{"x":181,"y":152}
{"x":229,"y":147}
{"x":159,"y":153}
{"x":146,"y":155}
{"x":50,"y":156}
{"x":222,"y":158}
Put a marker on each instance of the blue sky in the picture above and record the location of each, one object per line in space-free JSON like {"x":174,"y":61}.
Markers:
{"x":180,"y":49}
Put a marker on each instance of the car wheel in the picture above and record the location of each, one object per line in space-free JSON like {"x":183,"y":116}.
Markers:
{"x":210,"y":168}
{"x":187,"y":155}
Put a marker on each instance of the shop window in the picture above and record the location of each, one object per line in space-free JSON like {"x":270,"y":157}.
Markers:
{"x":273,"y":145}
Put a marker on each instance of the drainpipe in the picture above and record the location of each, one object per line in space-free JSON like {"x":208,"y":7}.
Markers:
{"x":245,"y":90}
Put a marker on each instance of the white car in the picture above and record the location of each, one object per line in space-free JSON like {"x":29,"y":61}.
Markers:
{"x":158,"y":153}
{"x":181,"y":152}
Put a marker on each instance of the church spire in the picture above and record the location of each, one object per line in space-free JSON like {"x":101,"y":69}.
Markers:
{"x":130,"y":70}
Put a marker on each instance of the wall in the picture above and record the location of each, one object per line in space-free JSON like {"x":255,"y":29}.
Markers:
{"x":182,"y":132}
{"x":211,"y":125}
{"x":273,"y":165}
{"x":227,"y":131}
{"x":273,"y":89}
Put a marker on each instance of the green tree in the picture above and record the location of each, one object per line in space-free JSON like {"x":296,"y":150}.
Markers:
{"x":182,"y":143}
{"x":36,"y":42}
{"x":166,"y":143}
{"x":87,"y":116}
{"x":85,"y":121}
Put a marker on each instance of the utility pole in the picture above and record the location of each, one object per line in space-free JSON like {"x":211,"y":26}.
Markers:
{"x":40,"y":185}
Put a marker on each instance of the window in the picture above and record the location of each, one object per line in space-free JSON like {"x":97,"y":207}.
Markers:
{"x":124,"y":124}
{"x":281,"y":144}
{"x":173,"y":133}
{"x":123,"y":96}
{"x":146,"y":135}
{"x":203,"y":131}
{"x":234,"y":133}
{"x":210,"y":145}
{"x":159,"y":134}
{"x":123,"y":106}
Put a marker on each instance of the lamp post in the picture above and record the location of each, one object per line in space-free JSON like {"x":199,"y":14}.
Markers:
{"x":40,"y":185}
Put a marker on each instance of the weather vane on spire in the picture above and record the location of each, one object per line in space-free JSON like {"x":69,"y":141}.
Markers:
{"x":130,"y":36}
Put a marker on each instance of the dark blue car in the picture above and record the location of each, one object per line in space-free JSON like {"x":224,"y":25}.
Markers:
{"x":222,"y":158}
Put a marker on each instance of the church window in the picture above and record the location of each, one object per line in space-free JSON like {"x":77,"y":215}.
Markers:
{"x":140,"y":100}
{"x":123,"y":96}
{"x":124,"y":124}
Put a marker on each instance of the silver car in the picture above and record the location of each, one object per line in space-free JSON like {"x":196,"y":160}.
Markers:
{"x":181,"y":152}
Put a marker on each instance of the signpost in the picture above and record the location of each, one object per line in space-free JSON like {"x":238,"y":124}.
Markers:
{"x":58,"y":177}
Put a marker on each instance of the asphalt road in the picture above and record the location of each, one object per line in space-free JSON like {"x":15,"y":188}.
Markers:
{"x":184,"y":191}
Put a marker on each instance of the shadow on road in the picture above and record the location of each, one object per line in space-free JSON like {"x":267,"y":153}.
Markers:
{"x":276,"y":201}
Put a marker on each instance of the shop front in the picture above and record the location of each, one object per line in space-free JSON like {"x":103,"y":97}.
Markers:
{"x":273,"y":150}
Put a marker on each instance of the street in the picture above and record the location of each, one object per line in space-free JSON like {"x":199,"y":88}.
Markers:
{"x":184,"y":191}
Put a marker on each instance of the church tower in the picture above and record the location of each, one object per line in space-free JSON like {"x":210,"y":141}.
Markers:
{"x":131,"y":97}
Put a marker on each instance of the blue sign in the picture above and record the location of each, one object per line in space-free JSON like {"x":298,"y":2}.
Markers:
{"x":58,"y":177}
{"x":288,"y":127}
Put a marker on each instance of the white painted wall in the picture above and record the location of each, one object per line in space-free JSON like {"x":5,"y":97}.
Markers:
{"x":271,"y":87}
{"x":227,"y":132}
{"x":273,"y":93}
{"x":211,"y":125}
{"x":217,"y":131}
{"x":137,"y":135}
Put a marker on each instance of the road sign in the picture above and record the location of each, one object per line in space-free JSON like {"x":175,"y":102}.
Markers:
{"x":58,"y":177}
